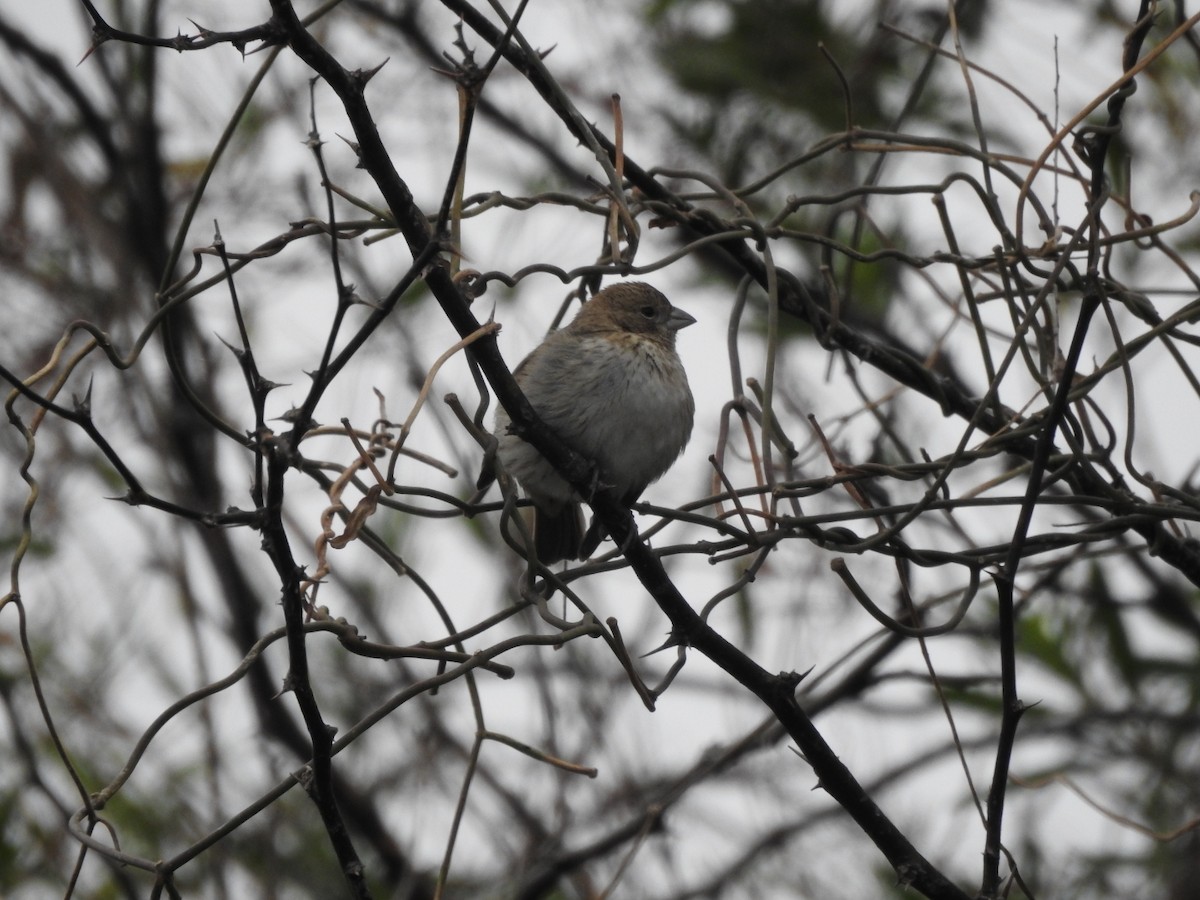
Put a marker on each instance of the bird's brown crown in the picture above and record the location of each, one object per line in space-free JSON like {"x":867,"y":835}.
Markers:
{"x":633,"y":307}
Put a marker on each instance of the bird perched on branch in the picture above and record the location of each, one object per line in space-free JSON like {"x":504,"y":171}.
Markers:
{"x":612,"y":387}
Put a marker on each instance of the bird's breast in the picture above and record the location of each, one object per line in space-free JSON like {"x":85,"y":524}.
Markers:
{"x":636,"y":415}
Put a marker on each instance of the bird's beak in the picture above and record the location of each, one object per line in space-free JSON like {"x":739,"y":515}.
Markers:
{"x":679,"y":319}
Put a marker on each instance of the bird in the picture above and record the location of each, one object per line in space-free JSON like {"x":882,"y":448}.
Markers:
{"x":612,"y":387}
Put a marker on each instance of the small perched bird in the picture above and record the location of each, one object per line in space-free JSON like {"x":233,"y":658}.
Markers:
{"x":611,"y":386}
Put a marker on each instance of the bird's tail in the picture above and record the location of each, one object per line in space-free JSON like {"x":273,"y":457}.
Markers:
{"x":557,"y":535}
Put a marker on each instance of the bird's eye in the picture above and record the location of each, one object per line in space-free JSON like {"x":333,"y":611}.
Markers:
{"x":648,"y":311}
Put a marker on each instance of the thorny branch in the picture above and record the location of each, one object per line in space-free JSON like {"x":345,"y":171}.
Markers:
{"x":1025,"y":413}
